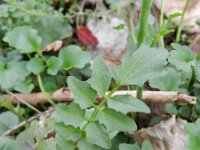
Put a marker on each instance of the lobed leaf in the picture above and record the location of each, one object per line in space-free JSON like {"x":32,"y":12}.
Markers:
{"x":35,"y":65}
{"x":127,"y":103}
{"x":68,"y":132}
{"x":144,"y":64}
{"x":101,"y":78}
{"x":73,"y":57}
{"x":24,"y":38}
{"x":54,"y":64}
{"x":169,"y":82}
{"x":114,"y":120}
{"x":13,"y":74}
{"x":182,"y":57}
{"x":83,"y":145}
{"x":96,"y":134}
{"x":70,"y":114}
{"x":60,"y":143}
{"x":84,"y":95}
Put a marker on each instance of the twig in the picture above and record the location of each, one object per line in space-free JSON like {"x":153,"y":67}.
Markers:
{"x":21,"y":100}
{"x":45,"y":114}
{"x":65,"y":95}
{"x":22,"y":124}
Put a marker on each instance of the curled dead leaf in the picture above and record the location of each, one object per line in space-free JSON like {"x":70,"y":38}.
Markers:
{"x":55,"y":46}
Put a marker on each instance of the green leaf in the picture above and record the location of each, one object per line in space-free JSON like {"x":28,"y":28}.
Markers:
{"x":26,"y":138}
{"x":114,"y":120}
{"x":6,"y":104}
{"x":144,"y":64}
{"x":185,"y":111}
{"x":101,"y":77}
{"x":174,"y":15}
{"x":35,"y":65}
{"x":48,"y":144}
{"x":2,"y":65}
{"x":41,"y":131}
{"x":118,"y":139}
{"x":54,"y":64}
{"x":146,"y":145}
{"x":197,"y":70}
{"x":25,"y":86}
{"x":73,"y":56}
{"x":127,"y":103}
{"x":70,"y":114}
{"x":182,"y":57}
{"x":8,"y":120}
{"x":84,"y":95}
{"x":9,"y":144}
{"x":24,"y":38}
{"x":13,"y":74}
{"x":60,"y":143}
{"x":170,"y":82}
{"x":193,"y":130}
{"x":68,"y":132}
{"x":51,"y":84}
{"x":129,"y":147}
{"x":171,"y":108}
{"x":166,"y":31}
{"x":52,"y":29}
{"x":96,"y":131}
{"x":83,"y":145}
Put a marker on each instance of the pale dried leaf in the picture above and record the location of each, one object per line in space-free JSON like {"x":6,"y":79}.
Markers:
{"x":55,"y":46}
{"x":168,"y":135}
{"x":112,"y":42}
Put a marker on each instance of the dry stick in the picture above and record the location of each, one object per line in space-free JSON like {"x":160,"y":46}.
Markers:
{"x":22,"y":124}
{"x":21,"y":100}
{"x":46,"y":114}
{"x":65,"y":95}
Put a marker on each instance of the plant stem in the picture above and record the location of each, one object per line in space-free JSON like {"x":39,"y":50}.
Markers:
{"x":154,"y":42}
{"x":180,"y":26}
{"x":132,"y":28}
{"x":161,"y":19}
{"x":101,"y":104}
{"x":44,"y":91}
{"x":143,"y":24}
{"x":143,"y":21}
{"x":139,"y":90}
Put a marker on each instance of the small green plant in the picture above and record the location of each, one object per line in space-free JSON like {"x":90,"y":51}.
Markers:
{"x":98,"y":118}
{"x":87,"y":123}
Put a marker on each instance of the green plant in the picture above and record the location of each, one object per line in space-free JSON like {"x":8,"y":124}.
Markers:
{"x":88,"y":123}
{"x":27,"y":27}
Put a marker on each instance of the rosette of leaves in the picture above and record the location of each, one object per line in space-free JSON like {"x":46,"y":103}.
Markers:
{"x":85,"y":124}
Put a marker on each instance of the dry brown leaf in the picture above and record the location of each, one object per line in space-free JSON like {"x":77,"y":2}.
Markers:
{"x":168,"y":135}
